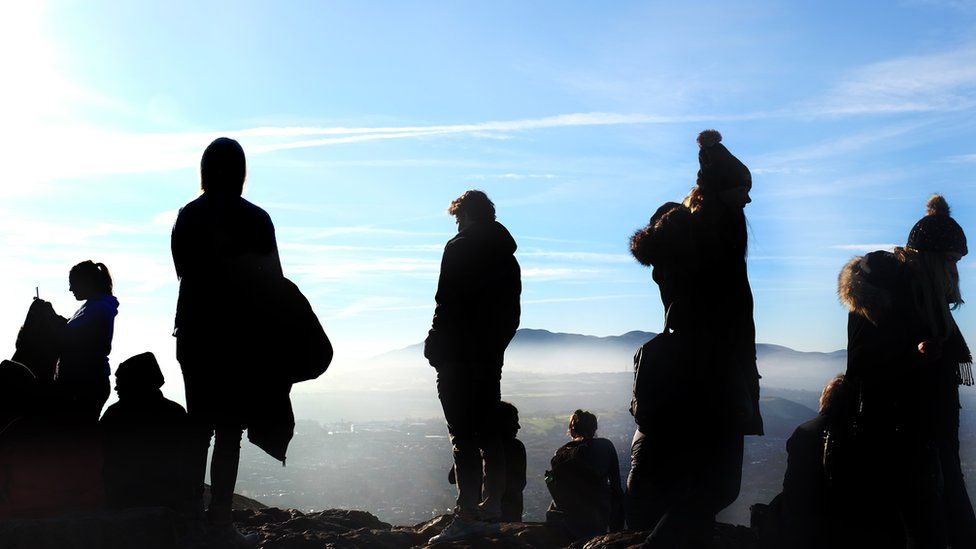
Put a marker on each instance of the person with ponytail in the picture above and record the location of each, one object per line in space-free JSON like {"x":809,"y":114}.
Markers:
{"x":906,"y":360}
{"x":81,"y":378}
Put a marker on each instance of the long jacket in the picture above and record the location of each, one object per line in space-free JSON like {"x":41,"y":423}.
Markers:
{"x":897,"y":389}
{"x":86,"y":341}
{"x":699,"y":264}
{"x":225,"y":251}
{"x":477,"y":311}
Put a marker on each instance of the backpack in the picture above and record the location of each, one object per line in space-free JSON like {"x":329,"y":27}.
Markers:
{"x":39,"y":341}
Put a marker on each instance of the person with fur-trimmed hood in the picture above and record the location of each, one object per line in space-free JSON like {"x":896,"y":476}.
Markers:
{"x":687,"y":464}
{"x":907,"y":358}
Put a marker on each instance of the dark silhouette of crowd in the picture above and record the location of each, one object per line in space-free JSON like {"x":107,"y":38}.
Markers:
{"x":878,"y":467}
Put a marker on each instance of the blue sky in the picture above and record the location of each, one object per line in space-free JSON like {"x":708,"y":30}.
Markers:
{"x":362,"y":120}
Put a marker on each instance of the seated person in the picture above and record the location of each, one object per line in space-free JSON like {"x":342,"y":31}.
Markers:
{"x":145,"y":441}
{"x":46,"y":468}
{"x":508,"y":423}
{"x":587,"y":498}
{"x":818,"y":506}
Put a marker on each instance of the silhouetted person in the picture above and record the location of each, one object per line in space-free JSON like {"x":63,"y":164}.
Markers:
{"x":47,"y":468}
{"x":823,"y":502}
{"x":907,"y":357}
{"x":81,"y":379}
{"x":687,"y":461}
{"x":224,"y":251}
{"x":476,"y":316}
{"x":39,"y":341}
{"x":145,"y":438}
{"x":508,"y":418}
{"x":584,"y":481}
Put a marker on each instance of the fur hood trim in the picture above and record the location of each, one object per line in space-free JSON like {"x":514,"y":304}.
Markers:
{"x":865,"y":285}
{"x":665,"y":236}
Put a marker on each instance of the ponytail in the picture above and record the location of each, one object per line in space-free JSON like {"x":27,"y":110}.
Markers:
{"x":93,"y":275}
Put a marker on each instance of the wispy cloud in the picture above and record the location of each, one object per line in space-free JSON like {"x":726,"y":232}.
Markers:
{"x":513,"y":176}
{"x":865,"y":248}
{"x":86,"y":151}
{"x":588,"y":257}
{"x":963,"y":158}
{"x":944,"y":81}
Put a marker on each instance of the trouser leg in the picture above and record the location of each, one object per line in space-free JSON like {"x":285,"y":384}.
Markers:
{"x":645,"y":497}
{"x":469,"y":395}
{"x":223,"y":471}
{"x":918,"y":495}
{"x":707,"y":483}
{"x":454,"y":392}
{"x":960,"y":519}
{"x":488,"y":389}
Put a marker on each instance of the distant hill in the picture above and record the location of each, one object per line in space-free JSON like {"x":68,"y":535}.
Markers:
{"x":542,"y":351}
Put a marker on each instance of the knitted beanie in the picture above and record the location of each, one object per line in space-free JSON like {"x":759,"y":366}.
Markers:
{"x":141,"y":370}
{"x":937,"y":231}
{"x":719,"y":170}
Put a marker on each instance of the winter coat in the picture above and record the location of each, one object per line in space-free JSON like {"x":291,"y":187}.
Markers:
{"x":897,"y":388}
{"x":477,"y":309}
{"x":902,"y":395}
{"x":585,"y":487}
{"x":699,"y":264}
{"x":86,"y":341}
{"x":145,"y":440}
{"x":226,"y":258}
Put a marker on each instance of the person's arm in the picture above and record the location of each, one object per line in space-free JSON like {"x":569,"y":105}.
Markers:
{"x":441,"y":344}
{"x":179,"y":245}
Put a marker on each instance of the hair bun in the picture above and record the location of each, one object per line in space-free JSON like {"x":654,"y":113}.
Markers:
{"x":707,"y":138}
{"x":937,"y":205}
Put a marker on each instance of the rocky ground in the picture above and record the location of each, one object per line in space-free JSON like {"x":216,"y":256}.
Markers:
{"x":156,"y":528}
{"x":342,"y":529}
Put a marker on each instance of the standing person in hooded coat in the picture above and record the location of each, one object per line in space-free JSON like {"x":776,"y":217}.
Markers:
{"x":225,"y":252}
{"x":687,"y":460}
{"x":476,"y":316}
{"x":907,"y":357}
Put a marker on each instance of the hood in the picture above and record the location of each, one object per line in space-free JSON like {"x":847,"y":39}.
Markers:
{"x":491,"y":237}
{"x":107,"y":302}
{"x":667,"y":234}
{"x":866,"y":284}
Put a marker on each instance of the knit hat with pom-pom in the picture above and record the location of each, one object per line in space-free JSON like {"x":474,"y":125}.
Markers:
{"x":719,"y":169}
{"x":937,"y":231}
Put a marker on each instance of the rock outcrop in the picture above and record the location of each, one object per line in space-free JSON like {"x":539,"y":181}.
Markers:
{"x":341,"y":529}
{"x":156,"y":528}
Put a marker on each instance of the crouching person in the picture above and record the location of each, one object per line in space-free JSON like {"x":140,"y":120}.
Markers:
{"x":145,"y":438}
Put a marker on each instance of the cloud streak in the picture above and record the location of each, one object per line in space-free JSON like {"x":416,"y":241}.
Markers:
{"x":86,"y":151}
{"x":944,"y":81}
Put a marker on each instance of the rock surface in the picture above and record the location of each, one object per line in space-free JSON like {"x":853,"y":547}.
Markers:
{"x":155,"y":528}
{"x":341,"y":529}
{"x":149,"y":528}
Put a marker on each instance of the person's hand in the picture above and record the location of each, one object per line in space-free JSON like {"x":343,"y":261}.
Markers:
{"x":930,"y":349}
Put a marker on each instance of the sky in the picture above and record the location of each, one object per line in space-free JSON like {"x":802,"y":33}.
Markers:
{"x":363,"y":120}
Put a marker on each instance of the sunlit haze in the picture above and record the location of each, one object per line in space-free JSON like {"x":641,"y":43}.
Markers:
{"x":362,"y":121}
